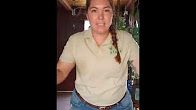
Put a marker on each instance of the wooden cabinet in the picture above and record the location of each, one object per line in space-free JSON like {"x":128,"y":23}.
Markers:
{"x":66,"y":26}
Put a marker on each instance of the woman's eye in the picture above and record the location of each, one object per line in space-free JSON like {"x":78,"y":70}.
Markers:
{"x":93,"y":11}
{"x":107,"y":10}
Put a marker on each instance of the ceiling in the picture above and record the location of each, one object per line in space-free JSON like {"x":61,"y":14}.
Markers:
{"x":69,"y":4}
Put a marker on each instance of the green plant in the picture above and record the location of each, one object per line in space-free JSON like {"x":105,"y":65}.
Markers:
{"x":121,"y":25}
{"x":132,"y":25}
{"x":135,"y":33}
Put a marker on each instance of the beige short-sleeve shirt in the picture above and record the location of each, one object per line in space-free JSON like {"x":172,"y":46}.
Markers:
{"x":100,"y":80}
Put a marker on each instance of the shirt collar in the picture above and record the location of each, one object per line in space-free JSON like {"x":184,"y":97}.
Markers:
{"x":88,"y":35}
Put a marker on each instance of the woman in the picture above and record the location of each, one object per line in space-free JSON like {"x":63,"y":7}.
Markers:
{"x":100,"y":55}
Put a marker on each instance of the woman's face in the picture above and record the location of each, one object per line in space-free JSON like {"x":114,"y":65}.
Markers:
{"x":100,"y":15}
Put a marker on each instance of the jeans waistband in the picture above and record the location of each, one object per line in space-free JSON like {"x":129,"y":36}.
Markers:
{"x":98,"y":107}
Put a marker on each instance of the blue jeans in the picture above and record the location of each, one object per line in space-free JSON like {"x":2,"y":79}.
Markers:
{"x":125,"y":104}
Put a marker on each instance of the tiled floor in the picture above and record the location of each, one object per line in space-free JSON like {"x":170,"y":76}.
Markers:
{"x":63,"y":100}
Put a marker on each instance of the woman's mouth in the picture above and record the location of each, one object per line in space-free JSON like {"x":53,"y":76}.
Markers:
{"x":100,"y":24}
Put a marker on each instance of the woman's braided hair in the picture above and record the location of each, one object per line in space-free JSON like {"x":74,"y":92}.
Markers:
{"x":115,"y":43}
{"x":112,"y":31}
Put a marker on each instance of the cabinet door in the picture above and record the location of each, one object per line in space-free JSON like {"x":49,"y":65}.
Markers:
{"x":66,"y":26}
{"x":68,"y":83}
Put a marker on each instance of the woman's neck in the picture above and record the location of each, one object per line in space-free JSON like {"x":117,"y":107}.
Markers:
{"x":100,"y":37}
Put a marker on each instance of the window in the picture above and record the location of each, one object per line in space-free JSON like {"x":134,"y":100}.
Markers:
{"x":86,"y":25}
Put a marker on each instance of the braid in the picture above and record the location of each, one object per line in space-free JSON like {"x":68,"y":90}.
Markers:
{"x":115,"y":44}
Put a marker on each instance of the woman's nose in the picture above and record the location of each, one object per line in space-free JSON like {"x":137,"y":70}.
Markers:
{"x":101,"y":15}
